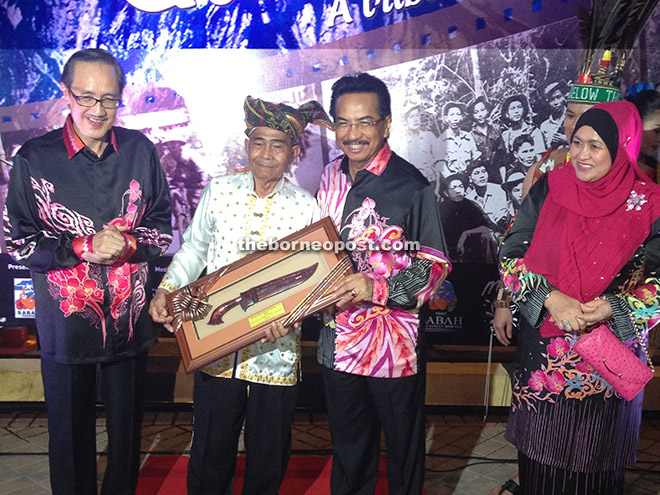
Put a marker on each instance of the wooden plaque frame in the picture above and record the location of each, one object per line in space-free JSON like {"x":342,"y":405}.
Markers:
{"x":201,"y":343}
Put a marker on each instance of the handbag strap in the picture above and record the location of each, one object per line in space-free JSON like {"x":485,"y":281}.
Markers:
{"x":641,"y":343}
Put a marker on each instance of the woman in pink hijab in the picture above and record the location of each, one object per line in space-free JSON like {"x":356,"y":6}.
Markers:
{"x":584,"y":249}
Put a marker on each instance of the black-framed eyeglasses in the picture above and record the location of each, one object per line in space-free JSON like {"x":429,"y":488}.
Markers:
{"x":90,"y":101}
{"x":363,"y":125}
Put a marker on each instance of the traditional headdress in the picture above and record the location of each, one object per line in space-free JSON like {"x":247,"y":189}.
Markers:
{"x":609,"y":31}
{"x":259,"y":113}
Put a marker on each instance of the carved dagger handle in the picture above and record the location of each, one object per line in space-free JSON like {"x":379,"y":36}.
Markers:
{"x":219,"y":312}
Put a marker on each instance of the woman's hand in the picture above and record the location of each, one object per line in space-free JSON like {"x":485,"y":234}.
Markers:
{"x":597,"y":310}
{"x":565,"y":312}
{"x":503,"y":325}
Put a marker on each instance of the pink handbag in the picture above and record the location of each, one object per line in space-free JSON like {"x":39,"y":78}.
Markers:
{"x":617,"y":364}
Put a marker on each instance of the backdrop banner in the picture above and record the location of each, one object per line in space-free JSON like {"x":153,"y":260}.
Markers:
{"x":478,"y":95}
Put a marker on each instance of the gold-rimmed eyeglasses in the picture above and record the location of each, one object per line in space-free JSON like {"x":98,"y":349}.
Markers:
{"x":90,"y":101}
{"x":363,"y":125}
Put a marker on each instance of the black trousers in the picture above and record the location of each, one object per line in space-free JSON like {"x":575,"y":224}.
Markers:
{"x":358,"y":407}
{"x":70,"y":392}
{"x":221,"y":407}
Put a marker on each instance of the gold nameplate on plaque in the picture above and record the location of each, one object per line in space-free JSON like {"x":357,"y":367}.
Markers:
{"x":267,"y":314}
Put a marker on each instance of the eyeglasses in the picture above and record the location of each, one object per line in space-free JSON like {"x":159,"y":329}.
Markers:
{"x":363,"y":125}
{"x":90,"y":101}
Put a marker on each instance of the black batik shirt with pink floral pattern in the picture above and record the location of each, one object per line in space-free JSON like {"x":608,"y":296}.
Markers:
{"x":387,"y":205}
{"x":60,"y":194}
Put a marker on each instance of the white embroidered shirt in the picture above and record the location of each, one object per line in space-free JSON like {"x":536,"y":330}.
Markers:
{"x":228,"y":211}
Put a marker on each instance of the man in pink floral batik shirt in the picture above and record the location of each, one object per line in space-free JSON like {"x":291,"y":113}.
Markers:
{"x":370,"y":348}
{"x":88,"y":205}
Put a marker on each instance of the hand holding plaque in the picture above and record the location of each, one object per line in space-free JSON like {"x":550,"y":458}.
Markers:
{"x":232,"y":307}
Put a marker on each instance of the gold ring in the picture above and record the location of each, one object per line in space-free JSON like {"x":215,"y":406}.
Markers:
{"x":353,"y":293}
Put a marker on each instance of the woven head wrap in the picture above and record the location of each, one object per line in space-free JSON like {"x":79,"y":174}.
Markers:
{"x":281,"y":117}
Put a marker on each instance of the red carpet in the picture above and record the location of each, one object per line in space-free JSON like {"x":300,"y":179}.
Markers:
{"x":306,"y":475}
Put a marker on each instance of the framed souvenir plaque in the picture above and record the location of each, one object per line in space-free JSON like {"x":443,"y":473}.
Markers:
{"x":230,"y":308}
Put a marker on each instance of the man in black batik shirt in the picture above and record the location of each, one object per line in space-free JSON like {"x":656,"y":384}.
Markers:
{"x":370,"y":349}
{"x":88,"y":206}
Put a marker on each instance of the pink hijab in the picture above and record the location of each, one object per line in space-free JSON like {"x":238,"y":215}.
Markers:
{"x":587,"y":231}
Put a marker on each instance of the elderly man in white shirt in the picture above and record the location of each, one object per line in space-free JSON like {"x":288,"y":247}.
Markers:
{"x":257,"y":384}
